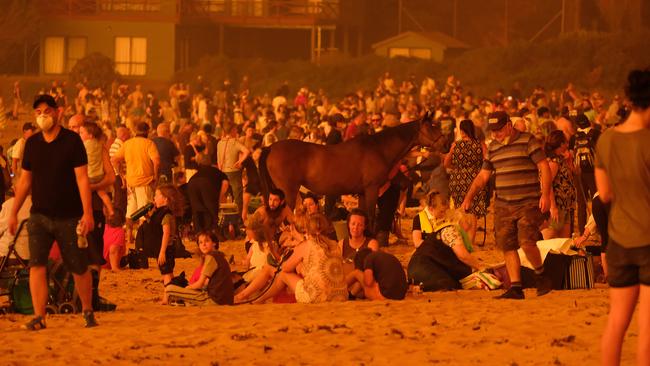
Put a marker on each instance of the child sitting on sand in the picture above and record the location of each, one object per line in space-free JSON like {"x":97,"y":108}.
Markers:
{"x":214,"y":285}
{"x":377,"y":275}
{"x":91,"y":135}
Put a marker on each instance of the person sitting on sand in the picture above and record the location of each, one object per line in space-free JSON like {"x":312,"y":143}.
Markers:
{"x":318,"y":260}
{"x":377,"y":276}
{"x":442,"y":259}
{"x":275,"y":216}
{"x":214,"y":285}
{"x":262,"y":266}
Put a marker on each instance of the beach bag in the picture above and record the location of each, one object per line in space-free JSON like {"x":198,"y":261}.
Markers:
{"x":480,"y":280}
{"x":580,"y":274}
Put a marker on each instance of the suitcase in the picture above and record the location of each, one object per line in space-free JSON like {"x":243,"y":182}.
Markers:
{"x":580,"y":274}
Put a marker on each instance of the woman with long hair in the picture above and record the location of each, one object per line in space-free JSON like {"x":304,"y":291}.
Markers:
{"x":465,"y":159}
{"x":564,"y":190}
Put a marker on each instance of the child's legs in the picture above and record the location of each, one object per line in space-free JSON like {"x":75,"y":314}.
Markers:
{"x":115,"y":254}
{"x":196,"y":297}
{"x":106,"y":200}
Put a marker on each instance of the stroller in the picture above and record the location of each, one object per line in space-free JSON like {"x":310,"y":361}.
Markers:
{"x":14,"y":284}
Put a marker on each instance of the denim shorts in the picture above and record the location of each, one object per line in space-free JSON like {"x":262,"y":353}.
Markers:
{"x":44,"y":230}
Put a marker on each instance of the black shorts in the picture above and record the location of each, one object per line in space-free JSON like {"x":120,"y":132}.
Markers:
{"x":44,"y":230}
{"x":627,"y":266}
{"x":170,"y":261}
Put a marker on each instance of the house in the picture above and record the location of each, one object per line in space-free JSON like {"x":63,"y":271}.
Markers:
{"x":153,"y":39}
{"x":425,"y":45}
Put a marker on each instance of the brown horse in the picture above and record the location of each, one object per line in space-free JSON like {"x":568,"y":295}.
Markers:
{"x":357,"y":166}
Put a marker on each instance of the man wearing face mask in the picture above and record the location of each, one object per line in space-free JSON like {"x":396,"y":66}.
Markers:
{"x":55,"y":171}
{"x":517,"y":160}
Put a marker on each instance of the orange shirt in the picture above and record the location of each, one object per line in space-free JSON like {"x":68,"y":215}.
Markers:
{"x":139,"y":154}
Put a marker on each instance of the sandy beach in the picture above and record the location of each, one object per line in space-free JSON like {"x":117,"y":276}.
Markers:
{"x":456,"y":328}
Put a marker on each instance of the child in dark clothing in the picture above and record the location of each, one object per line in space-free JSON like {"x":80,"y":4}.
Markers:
{"x":379,"y":275}
{"x":214,"y":285}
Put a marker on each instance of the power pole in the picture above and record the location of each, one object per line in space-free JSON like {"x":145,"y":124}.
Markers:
{"x":563,"y":17}
{"x":399,"y":16}
{"x":506,"y":23}
{"x":455,"y":30}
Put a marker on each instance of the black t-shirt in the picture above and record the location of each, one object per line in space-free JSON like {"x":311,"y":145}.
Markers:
{"x":204,"y":188}
{"x":168,"y":152}
{"x":54,"y":185}
{"x":388,"y":272}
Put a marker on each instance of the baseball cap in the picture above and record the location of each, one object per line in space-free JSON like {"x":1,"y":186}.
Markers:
{"x":44,"y":98}
{"x":496,"y":120}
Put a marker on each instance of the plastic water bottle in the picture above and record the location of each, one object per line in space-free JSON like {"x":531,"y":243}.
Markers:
{"x":82,"y":242}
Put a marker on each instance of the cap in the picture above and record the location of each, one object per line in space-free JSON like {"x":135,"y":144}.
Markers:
{"x":582,"y":121}
{"x":44,"y":98}
{"x":496,"y":120}
{"x":27,"y":126}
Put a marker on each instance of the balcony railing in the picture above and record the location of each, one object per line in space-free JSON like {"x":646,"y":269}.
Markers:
{"x":320,"y":9}
{"x":110,"y":7}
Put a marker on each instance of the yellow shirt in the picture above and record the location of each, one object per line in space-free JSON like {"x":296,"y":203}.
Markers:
{"x":138,"y":153}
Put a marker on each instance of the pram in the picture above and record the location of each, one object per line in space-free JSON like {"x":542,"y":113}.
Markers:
{"x":229,"y":222}
{"x":14,"y":284}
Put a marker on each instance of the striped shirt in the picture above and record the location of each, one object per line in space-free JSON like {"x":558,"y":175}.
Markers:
{"x":515,"y":168}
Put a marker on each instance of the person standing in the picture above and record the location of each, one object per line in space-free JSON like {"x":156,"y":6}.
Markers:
{"x":231,"y":154}
{"x":54,"y":169}
{"x":622,"y":178}
{"x":518,"y":161}
{"x":142,"y":163}
{"x":465,"y":160}
{"x":206,"y":189}
{"x":167,"y":151}
{"x":19,"y":148}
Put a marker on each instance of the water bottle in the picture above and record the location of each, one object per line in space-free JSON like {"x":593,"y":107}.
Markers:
{"x":82,"y":242}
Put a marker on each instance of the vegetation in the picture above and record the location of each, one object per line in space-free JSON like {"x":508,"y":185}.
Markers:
{"x":97,"y":70}
{"x":590,"y":60}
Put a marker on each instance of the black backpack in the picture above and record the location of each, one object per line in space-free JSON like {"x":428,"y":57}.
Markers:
{"x":584,"y":152}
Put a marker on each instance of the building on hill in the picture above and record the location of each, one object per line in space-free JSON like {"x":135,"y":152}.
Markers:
{"x":152,"y":39}
{"x":425,"y":45}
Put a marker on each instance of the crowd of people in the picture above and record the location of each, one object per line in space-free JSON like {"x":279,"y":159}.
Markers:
{"x":553,"y":161}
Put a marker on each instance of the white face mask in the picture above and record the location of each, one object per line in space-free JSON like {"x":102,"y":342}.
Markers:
{"x":45,"y":122}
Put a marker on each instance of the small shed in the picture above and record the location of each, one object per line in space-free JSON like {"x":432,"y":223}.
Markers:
{"x":425,"y":45}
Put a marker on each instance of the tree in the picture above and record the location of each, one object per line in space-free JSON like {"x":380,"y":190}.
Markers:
{"x":95,"y":70}
{"x":19,"y":22}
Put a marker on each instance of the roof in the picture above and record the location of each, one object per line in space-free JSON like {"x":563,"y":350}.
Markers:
{"x":436,"y":37}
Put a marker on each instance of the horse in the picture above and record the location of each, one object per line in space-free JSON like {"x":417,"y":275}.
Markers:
{"x":361,"y":165}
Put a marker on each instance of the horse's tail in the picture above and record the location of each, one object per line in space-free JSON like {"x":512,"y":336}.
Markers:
{"x":265,"y":177}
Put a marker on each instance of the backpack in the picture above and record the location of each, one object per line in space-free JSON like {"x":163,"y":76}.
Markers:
{"x":584,"y":152}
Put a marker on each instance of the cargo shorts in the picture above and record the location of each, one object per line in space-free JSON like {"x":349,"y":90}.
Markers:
{"x":517,"y":225}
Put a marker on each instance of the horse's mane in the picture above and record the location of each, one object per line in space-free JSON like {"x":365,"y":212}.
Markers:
{"x":404,"y":131}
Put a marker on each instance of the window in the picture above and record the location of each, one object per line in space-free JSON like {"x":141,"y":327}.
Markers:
{"x":61,"y":53}
{"x":76,"y":51}
{"x":131,"y":55}
{"x":398,"y":52}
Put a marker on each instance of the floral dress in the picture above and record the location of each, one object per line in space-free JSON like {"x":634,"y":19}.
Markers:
{"x":467,"y":160}
{"x":563,"y":187}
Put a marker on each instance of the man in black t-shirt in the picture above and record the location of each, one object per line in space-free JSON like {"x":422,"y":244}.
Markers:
{"x":380,"y":274}
{"x":205,"y":190}
{"x":167,"y":151}
{"x":55,"y":170}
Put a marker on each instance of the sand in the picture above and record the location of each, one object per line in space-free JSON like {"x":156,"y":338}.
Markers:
{"x":458,"y":327}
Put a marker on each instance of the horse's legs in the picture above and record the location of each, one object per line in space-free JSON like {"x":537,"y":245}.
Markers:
{"x":370,"y":201}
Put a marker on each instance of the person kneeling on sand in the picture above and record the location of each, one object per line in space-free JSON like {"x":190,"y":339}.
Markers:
{"x":214,"y":285}
{"x":442,"y":259}
{"x":320,"y":262}
{"x":377,"y":276}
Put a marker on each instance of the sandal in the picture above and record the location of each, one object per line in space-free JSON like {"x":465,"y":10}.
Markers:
{"x":89,"y":318}
{"x":37,"y":323}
